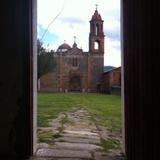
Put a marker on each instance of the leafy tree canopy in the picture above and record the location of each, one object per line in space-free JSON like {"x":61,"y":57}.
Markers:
{"x":46,"y":60}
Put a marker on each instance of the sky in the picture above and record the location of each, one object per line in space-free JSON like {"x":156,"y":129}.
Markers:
{"x":74,"y":21}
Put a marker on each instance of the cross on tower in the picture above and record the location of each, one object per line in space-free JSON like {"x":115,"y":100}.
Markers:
{"x":96,"y":6}
{"x":74,"y":39}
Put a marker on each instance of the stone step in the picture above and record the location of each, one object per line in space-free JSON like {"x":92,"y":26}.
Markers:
{"x":81,"y":132}
{"x":73,"y":159}
{"x":76,"y":146}
{"x":94,"y":137}
{"x":77,"y":140}
{"x":43,"y":158}
{"x":63,"y":153}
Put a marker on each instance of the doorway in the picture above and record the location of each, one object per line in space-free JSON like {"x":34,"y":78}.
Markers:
{"x":86,"y":101}
{"x":75,"y":84}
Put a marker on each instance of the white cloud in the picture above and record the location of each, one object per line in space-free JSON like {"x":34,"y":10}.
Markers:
{"x":76,"y":16}
{"x":112,"y":55}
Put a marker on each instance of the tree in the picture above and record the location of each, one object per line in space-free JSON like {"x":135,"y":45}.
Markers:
{"x":40,"y":47}
{"x":46,"y":61}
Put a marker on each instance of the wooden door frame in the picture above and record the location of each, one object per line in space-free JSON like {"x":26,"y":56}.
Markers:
{"x":139,"y":48}
{"x":33,"y":74}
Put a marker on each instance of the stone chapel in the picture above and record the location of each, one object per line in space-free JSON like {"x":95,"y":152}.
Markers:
{"x":77,"y":70}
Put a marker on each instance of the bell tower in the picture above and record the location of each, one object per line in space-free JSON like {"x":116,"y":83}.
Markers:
{"x":96,"y":35}
{"x":96,"y":52}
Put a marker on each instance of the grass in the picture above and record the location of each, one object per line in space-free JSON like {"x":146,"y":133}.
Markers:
{"x":110,"y":144}
{"x":105,"y":109}
{"x":46,"y":137}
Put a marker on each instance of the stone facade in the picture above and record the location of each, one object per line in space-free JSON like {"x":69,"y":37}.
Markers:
{"x":77,"y":70}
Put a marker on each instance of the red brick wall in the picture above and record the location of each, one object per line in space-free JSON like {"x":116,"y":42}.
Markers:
{"x":89,"y":70}
{"x":114,"y":77}
{"x":48,"y":83}
{"x":110,"y":79}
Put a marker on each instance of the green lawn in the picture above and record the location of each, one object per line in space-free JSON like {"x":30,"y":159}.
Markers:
{"x":106,"y":109}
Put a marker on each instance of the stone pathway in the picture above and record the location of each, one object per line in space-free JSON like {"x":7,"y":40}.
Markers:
{"x":75,"y":137}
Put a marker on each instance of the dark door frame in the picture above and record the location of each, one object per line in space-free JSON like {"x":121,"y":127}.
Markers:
{"x":140,"y":80}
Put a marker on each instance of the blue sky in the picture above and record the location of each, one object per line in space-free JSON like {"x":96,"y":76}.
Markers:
{"x":74,"y":21}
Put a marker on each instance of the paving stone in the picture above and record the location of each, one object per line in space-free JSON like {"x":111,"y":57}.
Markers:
{"x":102,"y":156}
{"x":72,"y":159}
{"x":78,"y":140}
{"x":47,"y":129}
{"x":80,"y":132}
{"x":108,"y":156}
{"x":41,"y":158}
{"x":42,"y":145}
{"x":42,"y":129}
{"x":62,"y":153}
{"x":80,"y":127}
{"x":38,"y":158}
{"x":76,"y":146}
{"x":55,"y":124}
{"x":81,"y":136}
